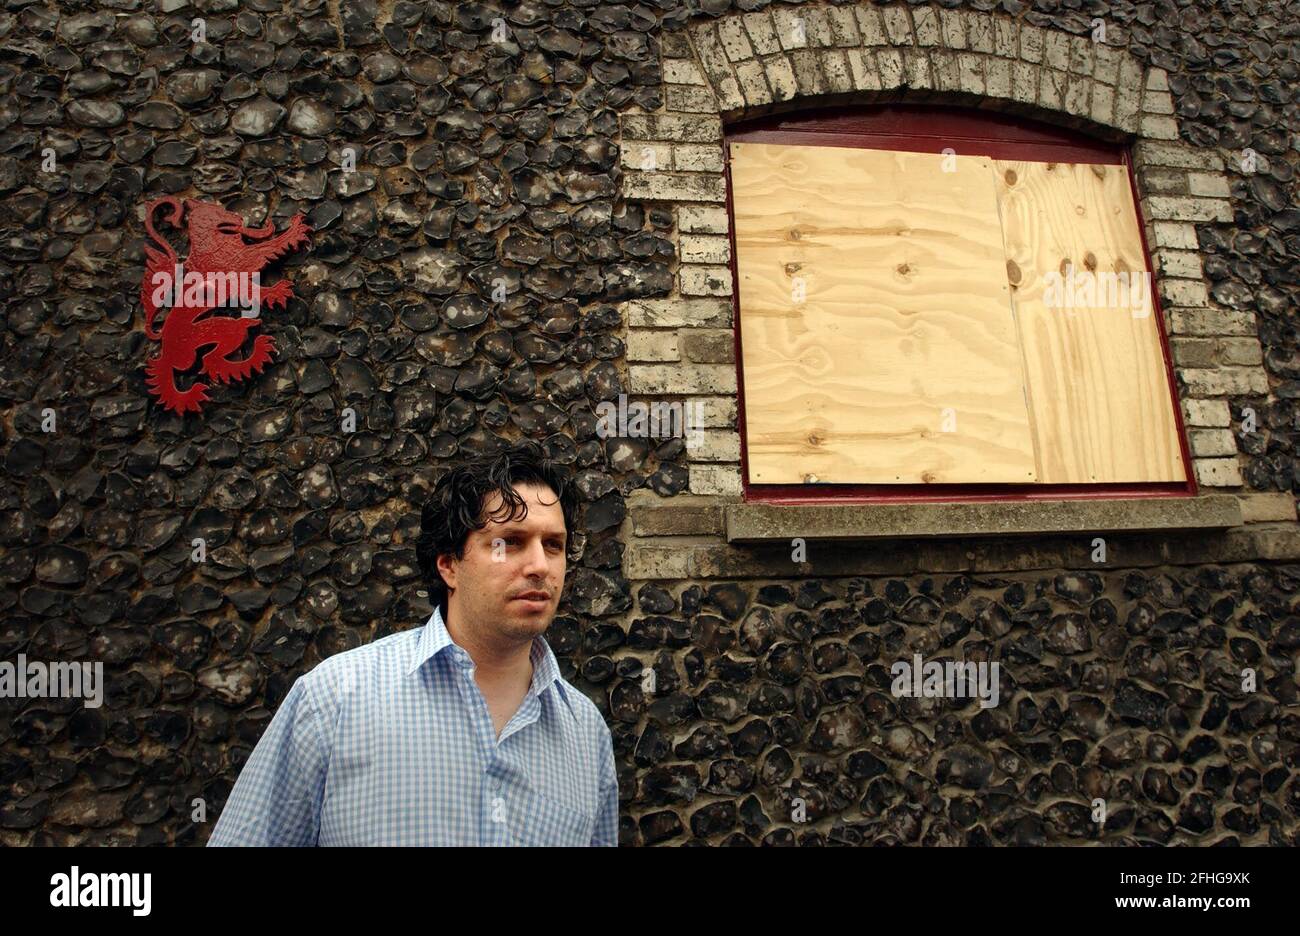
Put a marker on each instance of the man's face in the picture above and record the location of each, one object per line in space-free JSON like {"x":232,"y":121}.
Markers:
{"x":512,"y":573}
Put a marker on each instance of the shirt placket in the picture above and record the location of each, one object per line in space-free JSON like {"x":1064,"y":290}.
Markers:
{"x":494,"y":812}
{"x":505,"y":781}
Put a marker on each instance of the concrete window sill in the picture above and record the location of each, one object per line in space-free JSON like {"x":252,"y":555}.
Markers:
{"x":758,"y":523}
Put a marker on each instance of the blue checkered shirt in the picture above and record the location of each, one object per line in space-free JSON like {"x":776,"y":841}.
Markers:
{"x":392,"y":744}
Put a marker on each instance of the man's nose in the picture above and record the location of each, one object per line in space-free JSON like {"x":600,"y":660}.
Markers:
{"x":535,"y":559}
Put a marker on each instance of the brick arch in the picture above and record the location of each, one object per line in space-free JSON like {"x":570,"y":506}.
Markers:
{"x":756,"y":63}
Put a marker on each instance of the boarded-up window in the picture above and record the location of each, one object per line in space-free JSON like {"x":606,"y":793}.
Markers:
{"x":920,"y":318}
{"x":1098,"y":396}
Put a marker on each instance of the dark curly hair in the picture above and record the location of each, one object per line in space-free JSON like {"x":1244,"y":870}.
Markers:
{"x":456,"y":506}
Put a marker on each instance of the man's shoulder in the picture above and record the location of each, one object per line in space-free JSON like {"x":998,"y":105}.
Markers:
{"x":592,"y":729}
{"x":585,"y":711}
{"x":386,"y":657}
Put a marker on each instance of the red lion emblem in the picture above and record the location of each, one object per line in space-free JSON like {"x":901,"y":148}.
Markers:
{"x":218,"y":251}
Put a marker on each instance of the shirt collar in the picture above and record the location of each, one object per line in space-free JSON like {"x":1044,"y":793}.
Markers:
{"x":435,"y":639}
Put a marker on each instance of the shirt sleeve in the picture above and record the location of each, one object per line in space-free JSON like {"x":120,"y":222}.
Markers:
{"x":277,"y":798}
{"x":605,"y":833}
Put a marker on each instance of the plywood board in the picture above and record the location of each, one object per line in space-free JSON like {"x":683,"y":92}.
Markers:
{"x":878,"y":339}
{"x":1098,"y":391}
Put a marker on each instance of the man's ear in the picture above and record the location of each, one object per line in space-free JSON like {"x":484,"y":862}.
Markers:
{"x":447,"y":569}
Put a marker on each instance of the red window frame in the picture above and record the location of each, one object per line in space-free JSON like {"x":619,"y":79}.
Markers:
{"x":929,"y":128}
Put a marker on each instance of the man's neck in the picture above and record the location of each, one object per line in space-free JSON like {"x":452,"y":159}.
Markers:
{"x":494,"y":664}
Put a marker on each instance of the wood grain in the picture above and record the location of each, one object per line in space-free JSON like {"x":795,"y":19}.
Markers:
{"x":1098,"y":391}
{"x":905,"y":329}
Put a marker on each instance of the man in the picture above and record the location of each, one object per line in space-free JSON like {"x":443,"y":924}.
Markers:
{"x":460,"y":732}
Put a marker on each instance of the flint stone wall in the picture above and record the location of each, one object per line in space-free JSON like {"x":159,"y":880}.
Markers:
{"x":484,"y":162}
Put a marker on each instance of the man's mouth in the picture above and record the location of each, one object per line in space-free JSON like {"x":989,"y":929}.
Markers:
{"x":532,"y":596}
